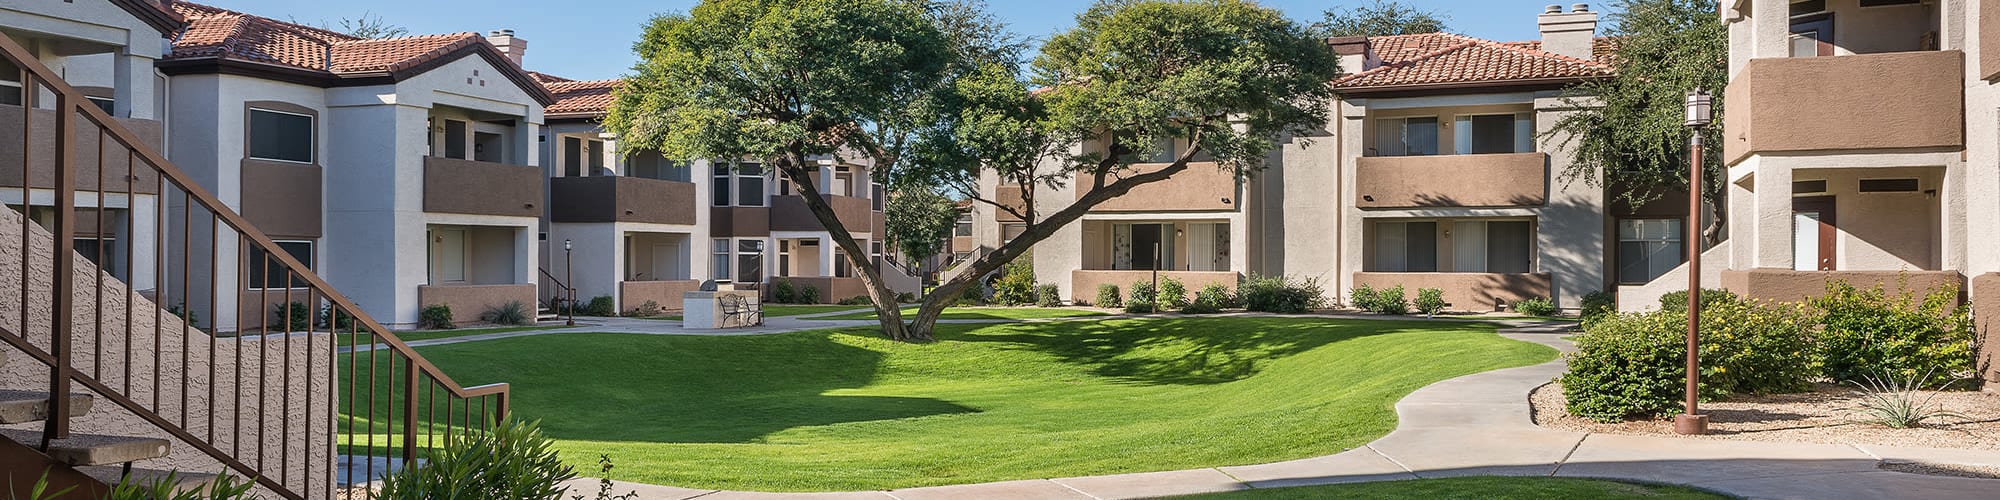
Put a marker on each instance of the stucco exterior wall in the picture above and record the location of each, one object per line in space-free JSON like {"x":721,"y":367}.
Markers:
{"x":1985,"y":290}
{"x":1084,"y":283}
{"x":1472,"y":292}
{"x":1791,"y":286}
{"x":469,"y":301}
{"x":1861,"y":102}
{"x":1203,"y":186}
{"x":667,"y":294}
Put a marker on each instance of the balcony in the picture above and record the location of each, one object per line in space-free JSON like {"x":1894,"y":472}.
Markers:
{"x":481,"y":188}
{"x":622,"y":199}
{"x":789,"y":213}
{"x":467,"y":302}
{"x":1899,"y":100}
{"x":1083,"y":283}
{"x":282,"y":198}
{"x":1472,"y":292}
{"x":1482,"y":180}
{"x":1203,"y":187}
{"x":145,"y":180}
{"x":1797,"y":286}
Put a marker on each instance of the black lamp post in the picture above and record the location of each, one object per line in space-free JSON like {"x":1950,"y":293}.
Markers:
{"x":1699,"y":114}
{"x":569,"y":276}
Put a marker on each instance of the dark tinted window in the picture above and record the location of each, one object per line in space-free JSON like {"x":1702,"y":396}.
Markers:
{"x":266,"y":272}
{"x":281,"y":136}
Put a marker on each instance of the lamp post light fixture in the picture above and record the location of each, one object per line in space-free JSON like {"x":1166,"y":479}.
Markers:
{"x":1700,"y":112}
{"x":569,"y":276}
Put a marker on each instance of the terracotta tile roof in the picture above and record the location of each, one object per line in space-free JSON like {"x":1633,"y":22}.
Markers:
{"x":580,"y":97}
{"x":1443,"y":59}
{"x":545,"y":78}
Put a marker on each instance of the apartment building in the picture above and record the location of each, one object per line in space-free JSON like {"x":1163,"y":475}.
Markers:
{"x":404,"y":170}
{"x":1434,"y":173}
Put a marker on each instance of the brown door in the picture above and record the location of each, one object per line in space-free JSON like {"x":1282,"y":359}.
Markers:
{"x":1812,"y":36}
{"x":1813,"y":233}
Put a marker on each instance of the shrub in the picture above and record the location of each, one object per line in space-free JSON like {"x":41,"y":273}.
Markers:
{"x":169,"y":487}
{"x":1172,"y":294}
{"x":1143,"y":300}
{"x":513,"y":460}
{"x":1430,"y":301}
{"x":296,"y":316}
{"x":906,"y":298}
{"x":435,"y":317}
{"x":1634,"y":365}
{"x":1048,"y":295}
{"x":1107,"y":296}
{"x":1756,"y":347}
{"x":647,"y":310}
{"x":808,"y":294}
{"x":186,"y":315}
{"x":604,"y":483}
{"x":510,"y":313}
{"x":602,"y":305}
{"x":972,"y":296}
{"x":1873,"y":333}
{"x":335,"y":319}
{"x":1535,"y":306}
{"x":1364,"y":297}
{"x":1279,"y":294}
{"x":1211,"y":299}
{"x":1016,"y":285}
{"x":1897,"y":403}
{"x":1391,"y":301}
{"x":858,"y":300}
{"x":1678,"y":301}
{"x":1599,"y":303}
{"x":783,"y":292}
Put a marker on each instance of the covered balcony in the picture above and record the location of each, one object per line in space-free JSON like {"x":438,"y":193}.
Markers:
{"x":481,"y":188}
{"x":622,"y":199}
{"x":789,"y":213}
{"x":475,"y":268}
{"x":1865,"y":226}
{"x":1481,"y":264}
{"x":658,"y":268}
{"x":1202,"y":187}
{"x":1196,"y":252}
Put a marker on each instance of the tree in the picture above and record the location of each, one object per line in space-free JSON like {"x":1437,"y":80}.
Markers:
{"x":369,"y":25}
{"x":1225,"y":78}
{"x":1380,"y":18}
{"x":1628,"y":130}
{"x":918,"y":221}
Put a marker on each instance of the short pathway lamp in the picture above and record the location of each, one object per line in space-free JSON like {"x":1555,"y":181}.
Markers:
{"x":569,"y":276}
{"x":1699,"y":113}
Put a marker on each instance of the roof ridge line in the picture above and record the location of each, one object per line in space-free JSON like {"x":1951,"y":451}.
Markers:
{"x":1539,"y":52}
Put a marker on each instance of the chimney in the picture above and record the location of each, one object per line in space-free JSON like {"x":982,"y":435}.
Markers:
{"x":513,"y":47}
{"x":1353,"y":53}
{"x":1569,"y":33}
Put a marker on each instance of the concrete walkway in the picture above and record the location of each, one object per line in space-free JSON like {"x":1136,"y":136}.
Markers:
{"x":1481,"y":425}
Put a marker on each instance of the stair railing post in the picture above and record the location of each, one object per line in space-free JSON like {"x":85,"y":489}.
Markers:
{"x":60,"y":313}
{"x":410,"y":375}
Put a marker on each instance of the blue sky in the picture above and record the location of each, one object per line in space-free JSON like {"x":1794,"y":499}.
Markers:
{"x":593,"y":40}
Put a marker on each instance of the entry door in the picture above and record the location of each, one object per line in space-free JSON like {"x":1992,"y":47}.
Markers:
{"x":1148,"y":251}
{"x":1812,"y":36}
{"x":1813,"y":234}
{"x":451,"y":255}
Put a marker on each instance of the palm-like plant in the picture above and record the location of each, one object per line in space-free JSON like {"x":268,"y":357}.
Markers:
{"x":1900,"y":403}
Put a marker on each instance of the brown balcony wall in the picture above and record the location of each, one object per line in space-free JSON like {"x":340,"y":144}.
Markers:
{"x":481,"y":188}
{"x":1789,"y":285}
{"x":668,"y":294}
{"x":469,"y":301}
{"x":621,"y":199}
{"x":86,"y":162}
{"x":789,"y":213}
{"x":1472,"y":292}
{"x":740,"y":221}
{"x":1011,"y":196}
{"x":1083,"y":283}
{"x":1986,"y":318}
{"x":282,"y":199}
{"x":1203,"y":187}
{"x":1989,"y":40}
{"x":1485,"y":180}
{"x":1896,"y":100}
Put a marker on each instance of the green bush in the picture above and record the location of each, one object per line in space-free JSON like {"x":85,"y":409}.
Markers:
{"x":1599,"y":303}
{"x":1173,"y":294}
{"x":1678,"y":301}
{"x":1876,"y":333}
{"x":1757,"y":347}
{"x":858,"y":300}
{"x":808,"y":294}
{"x":1634,"y":365}
{"x":1108,"y":296}
{"x":602,"y":305}
{"x":169,"y":487}
{"x":1210,"y":300}
{"x":1048,"y":295}
{"x":1282,"y":295}
{"x":186,"y":315}
{"x":784,"y":292}
{"x":296,"y":316}
{"x":1143,"y":299}
{"x":1430,"y":301}
{"x":972,"y":296}
{"x":1535,"y":306}
{"x":906,"y":298}
{"x":647,"y":310}
{"x":435,"y":317}
{"x":334,"y":319}
{"x":1016,"y":285}
{"x":510,"y":313}
{"x":513,"y":460}
{"x":1391,"y":301}
{"x":1364,"y":298}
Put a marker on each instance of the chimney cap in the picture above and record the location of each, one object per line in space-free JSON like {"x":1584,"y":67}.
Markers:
{"x":1553,"y":9}
{"x":1582,"y":7}
{"x":501,"y":32}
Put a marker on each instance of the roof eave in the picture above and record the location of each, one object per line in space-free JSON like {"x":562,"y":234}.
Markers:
{"x":165,"y":21}
{"x":1463,"y":87}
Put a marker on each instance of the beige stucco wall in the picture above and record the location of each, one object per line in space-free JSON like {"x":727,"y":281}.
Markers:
{"x":1084,"y":283}
{"x":1862,"y":102}
{"x":1474,"y":292}
{"x":1985,"y":290}
{"x":469,"y":301}
{"x":1789,"y":285}
{"x":632,"y":294}
{"x":1884,"y":231}
{"x":1486,"y":180}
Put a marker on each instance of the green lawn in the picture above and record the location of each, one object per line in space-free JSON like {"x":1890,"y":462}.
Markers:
{"x":848,"y":410}
{"x":1473,"y":488}
{"x":411,"y":336}
{"x":992,"y":313}
{"x":776,"y":310}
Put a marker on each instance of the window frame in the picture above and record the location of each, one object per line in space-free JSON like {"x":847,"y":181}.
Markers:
{"x":742,"y":253}
{"x":720,"y":268}
{"x":1402,"y":133}
{"x":13,"y":81}
{"x":1677,"y":240}
{"x":311,"y":262}
{"x":312,"y":136}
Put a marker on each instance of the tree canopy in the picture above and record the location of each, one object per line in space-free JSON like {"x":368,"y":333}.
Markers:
{"x":918,"y":221}
{"x":1380,"y":18}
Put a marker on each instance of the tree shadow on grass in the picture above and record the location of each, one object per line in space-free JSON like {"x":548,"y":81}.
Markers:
{"x":685,"y":390}
{"x":1177,"y":351}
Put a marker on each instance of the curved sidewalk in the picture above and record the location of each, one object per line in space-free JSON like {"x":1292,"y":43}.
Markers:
{"x":1480,"y":424}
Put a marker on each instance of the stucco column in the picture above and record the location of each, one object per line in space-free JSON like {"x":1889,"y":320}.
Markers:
{"x":1770,"y":28}
{"x":826,"y":258}
{"x":132,"y":87}
{"x":1350,"y":256}
{"x":1772,"y":217}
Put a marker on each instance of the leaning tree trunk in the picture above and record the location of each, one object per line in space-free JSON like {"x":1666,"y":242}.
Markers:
{"x":886,"y":309}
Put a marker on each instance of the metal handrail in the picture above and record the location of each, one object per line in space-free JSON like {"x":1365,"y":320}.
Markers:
{"x":366,"y":336}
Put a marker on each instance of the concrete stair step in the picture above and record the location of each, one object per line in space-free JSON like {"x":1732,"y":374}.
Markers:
{"x":182,"y":481}
{"x":20,"y":407}
{"x":92,"y":449}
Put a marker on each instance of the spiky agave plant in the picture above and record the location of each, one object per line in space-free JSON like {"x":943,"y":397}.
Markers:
{"x":1900,"y":403}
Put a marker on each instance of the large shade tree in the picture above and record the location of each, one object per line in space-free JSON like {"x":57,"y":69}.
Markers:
{"x":1380,"y":18}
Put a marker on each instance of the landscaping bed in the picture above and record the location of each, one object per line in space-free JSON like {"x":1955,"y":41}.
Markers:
{"x":1474,"y":488}
{"x":1826,"y":414}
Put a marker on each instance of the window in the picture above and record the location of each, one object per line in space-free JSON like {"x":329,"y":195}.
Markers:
{"x":719,"y":270}
{"x":454,"y":139}
{"x":749,"y":261}
{"x":281,"y":136}
{"x":1889,"y":186}
{"x":596,"y":152}
{"x":784,"y":257}
{"x":266,"y":272}
{"x":841,"y":268}
{"x":750,"y":185}
{"x":11,"y":92}
{"x":1010,"y":231}
{"x":104,"y":103}
{"x":1648,"y":249}
{"x":102,"y":252}
{"x":875,"y":253}
{"x":1406,"y":247}
{"x":1163,"y":150}
{"x":1486,"y":134}
{"x":651,"y":165}
{"x":875,"y":193}
{"x":1406,"y":136}
{"x":964,"y":226}
{"x":1812,"y":186}
{"x":572,"y":157}
{"x":843,"y":182}
{"x":719,"y":190}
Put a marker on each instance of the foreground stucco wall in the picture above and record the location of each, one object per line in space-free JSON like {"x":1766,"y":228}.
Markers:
{"x":468,"y":302}
{"x":1471,"y":292}
{"x":1986,"y":316}
{"x":1789,"y":285}
{"x":668,"y":294}
{"x":1084,"y":283}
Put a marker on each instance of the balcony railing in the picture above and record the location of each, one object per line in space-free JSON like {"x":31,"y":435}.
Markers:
{"x":1900,"y":100}
{"x":481,"y":188}
{"x":789,"y":213}
{"x":621,"y":199}
{"x":1483,"y":180}
{"x":1203,"y":187}
{"x":1083,"y":283}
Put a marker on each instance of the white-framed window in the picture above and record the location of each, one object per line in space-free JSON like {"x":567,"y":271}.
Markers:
{"x":784,"y":257}
{"x":719,"y":260}
{"x":11,"y":91}
{"x":1500,"y":246}
{"x":875,"y":253}
{"x":106,"y":104}
{"x":749,"y":261}
{"x":1412,"y":136}
{"x":281,"y":136}
{"x":875,"y":194}
{"x":841,"y":268}
{"x":454,"y":139}
{"x":1494,"y":133}
{"x":266,"y":273}
{"x":1648,"y":249}
{"x":1405,"y":247}
{"x":747,"y":188}
{"x":964,"y":226}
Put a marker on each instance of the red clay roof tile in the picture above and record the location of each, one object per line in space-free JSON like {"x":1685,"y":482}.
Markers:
{"x":1443,"y":58}
{"x":580,"y":97}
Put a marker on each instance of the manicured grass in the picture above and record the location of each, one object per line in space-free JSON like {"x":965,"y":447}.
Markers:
{"x":1474,"y":488}
{"x":848,"y":410}
{"x":993,"y":313}
{"x":410,"y":336}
